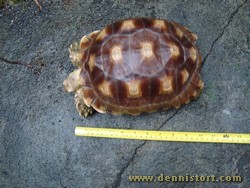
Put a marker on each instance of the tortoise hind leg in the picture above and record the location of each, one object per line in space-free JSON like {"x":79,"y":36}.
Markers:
{"x":81,"y":107}
{"x":76,"y":51}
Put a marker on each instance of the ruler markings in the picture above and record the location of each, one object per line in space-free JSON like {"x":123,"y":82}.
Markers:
{"x":163,"y":135}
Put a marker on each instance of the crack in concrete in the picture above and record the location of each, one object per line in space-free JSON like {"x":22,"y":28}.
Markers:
{"x":168,"y":119}
{"x":117,"y":182}
{"x":223,"y":30}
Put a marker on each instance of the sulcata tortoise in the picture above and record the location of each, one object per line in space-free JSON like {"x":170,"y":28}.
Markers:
{"x":133,"y":66}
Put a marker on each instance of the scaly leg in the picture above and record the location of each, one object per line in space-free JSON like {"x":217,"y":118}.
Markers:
{"x":81,"y":107}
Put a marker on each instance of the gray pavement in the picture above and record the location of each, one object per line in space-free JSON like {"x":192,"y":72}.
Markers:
{"x":37,"y":118}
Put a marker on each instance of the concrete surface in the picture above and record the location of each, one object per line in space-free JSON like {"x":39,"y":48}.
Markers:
{"x":37,"y":119}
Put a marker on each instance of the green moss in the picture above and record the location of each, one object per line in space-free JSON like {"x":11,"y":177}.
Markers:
{"x":211,"y":92}
{"x":3,"y":3}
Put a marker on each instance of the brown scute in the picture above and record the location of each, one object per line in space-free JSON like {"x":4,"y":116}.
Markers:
{"x":85,"y":56}
{"x":86,"y":79}
{"x":166,"y":79}
{"x":176,"y":103}
{"x":183,"y":97}
{"x":165,"y":107}
{"x":171,"y":62}
{"x":109,"y":30}
{"x":176,"y":32}
{"x":148,"y":53}
{"x":91,"y":62}
{"x":96,"y":76}
{"x":140,"y":64}
{"x":116,"y":68}
{"x":194,"y":88}
{"x":148,"y":23}
{"x":180,"y":56}
{"x":154,"y":87}
{"x":186,"y":44}
{"x":95,"y":48}
{"x":88,"y":95}
{"x":85,"y":43}
{"x":134,"y":89}
{"x":191,"y":36}
{"x":138,"y":23}
{"x":190,"y":65}
{"x":182,"y":79}
{"x":192,"y":53}
{"x":160,"y":26}
{"x":104,"y":88}
{"x":184,"y":76}
{"x":99,"y":106}
{"x":145,"y":89}
{"x":116,"y":26}
{"x":93,"y":35}
{"x":197,"y":83}
{"x":121,"y":28}
{"x":87,"y":40}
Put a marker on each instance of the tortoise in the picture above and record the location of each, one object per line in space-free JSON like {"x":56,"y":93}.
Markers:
{"x":134,"y":66}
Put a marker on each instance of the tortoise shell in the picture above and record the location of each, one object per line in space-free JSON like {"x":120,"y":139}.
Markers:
{"x":140,"y":65}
